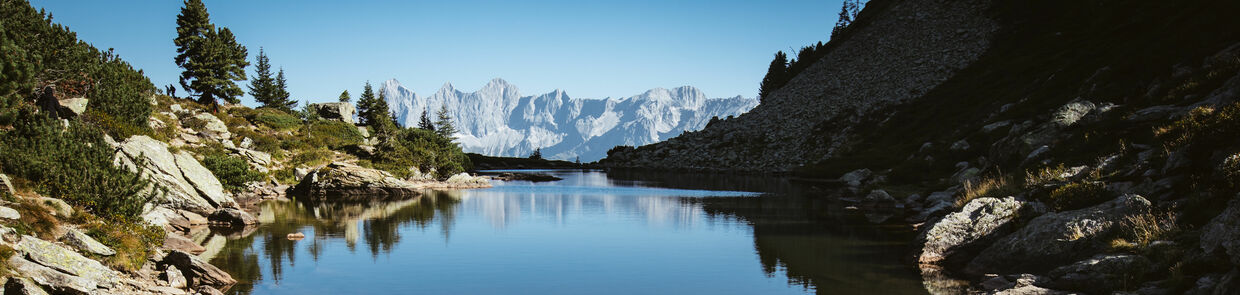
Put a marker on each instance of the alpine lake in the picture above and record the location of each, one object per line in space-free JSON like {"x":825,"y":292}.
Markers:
{"x":593,"y":232}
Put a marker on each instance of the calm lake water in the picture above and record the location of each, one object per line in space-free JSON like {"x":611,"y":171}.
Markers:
{"x":591,"y":233}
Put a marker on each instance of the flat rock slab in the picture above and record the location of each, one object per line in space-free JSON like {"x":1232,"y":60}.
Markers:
{"x":58,"y":282}
{"x":59,"y":258}
{"x":83,"y":242}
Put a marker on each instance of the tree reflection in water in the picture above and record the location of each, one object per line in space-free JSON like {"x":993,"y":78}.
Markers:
{"x":378,"y":222}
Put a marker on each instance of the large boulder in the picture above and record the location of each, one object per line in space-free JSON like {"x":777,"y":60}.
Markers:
{"x":962,"y":233}
{"x":1221,"y":236}
{"x":336,"y":111}
{"x":232,"y":217}
{"x":64,"y":260}
{"x":161,"y":167}
{"x":196,"y":271}
{"x":258,"y":160}
{"x":212,"y":126}
{"x":341,"y":181}
{"x":1100,"y":274}
{"x":58,"y":282}
{"x":205,"y":182}
{"x":464,"y":180}
{"x":1059,"y":238}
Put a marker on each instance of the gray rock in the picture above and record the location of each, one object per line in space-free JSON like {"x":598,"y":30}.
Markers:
{"x":9,"y":213}
{"x":58,"y":282}
{"x":857,"y":177}
{"x":1069,"y":113}
{"x":59,"y":207}
{"x":364,"y":131}
{"x":175,"y":241}
{"x":960,"y":145}
{"x":161,"y":167}
{"x":176,"y":108}
{"x":967,"y":174}
{"x":1055,"y":239}
{"x":246,"y":143}
{"x":300,"y":173}
{"x":85,"y":243}
{"x":205,"y":182}
{"x":22,"y":286}
{"x":196,"y":271}
{"x":997,"y":283}
{"x":73,"y":106}
{"x":1027,"y":284}
{"x":8,"y":184}
{"x":960,"y":234}
{"x":232,"y":217}
{"x":463,"y":180}
{"x":64,"y":260}
{"x":995,"y":126}
{"x":175,"y":278}
{"x":336,"y":111}
{"x":342,"y":181}
{"x":1100,"y":274}
{"x":1221,"y":236}
{"x":878,"y":199}
{"x":212,"y":127}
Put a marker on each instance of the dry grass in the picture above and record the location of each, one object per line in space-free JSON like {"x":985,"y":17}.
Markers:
{"x":991,"y":186}
{"x":1149,"y":227}
{"x":1045,"y":175}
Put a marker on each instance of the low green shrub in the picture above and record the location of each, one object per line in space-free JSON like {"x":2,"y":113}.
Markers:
{"x":133,"y":241}
{"x":232,"y":171}
{"x":275,"y":118}
{"x":423,"y":149}
{"x":332,"y":134}
{"x":73,"y":164}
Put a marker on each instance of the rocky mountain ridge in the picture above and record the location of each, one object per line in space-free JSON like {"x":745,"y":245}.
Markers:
{"x":497,"y":120}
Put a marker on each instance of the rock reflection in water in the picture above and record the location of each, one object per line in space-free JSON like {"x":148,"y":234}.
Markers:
{"x":375,"y":223}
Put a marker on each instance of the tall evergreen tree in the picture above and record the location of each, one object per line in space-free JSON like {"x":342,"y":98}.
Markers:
{"x":444,"y":125}
{"x":282,"y":99}
{"x":373,"y":111}
{"x":263,"y":83}
{"x":344,"y":96}
{"x":425,"y":123}
{"x":211,"y":58}
{"x":775,"y":76}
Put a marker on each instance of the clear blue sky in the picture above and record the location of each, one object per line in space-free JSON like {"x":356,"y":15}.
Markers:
{"x":588,"y":48}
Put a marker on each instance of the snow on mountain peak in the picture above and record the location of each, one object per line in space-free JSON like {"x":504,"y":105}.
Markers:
{"x":497,"y":121}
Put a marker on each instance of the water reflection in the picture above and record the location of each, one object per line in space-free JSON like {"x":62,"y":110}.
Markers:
{"x":590,"y":233}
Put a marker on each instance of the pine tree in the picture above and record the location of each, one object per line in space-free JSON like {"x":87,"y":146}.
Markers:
{"x":363,"y":103}
{"x":537,"y":154}
{"x":282,"y":99}
{"x":263,"y":83}
{"x":373,"y":111}
{"x":425,"y":122}
{"x":444,"y":125}
{"x":344,"y":96}
{"x":775,"y":76}
{"x":212,"y":59}
{"x":848,"y":13}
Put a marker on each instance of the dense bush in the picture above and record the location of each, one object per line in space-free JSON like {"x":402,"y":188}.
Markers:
{"x":423,"y":149}
{"x":332,"y":134}
{"x":232,"y":171}
{"x":73,"y":164}
{"x":275,"y":118}
{"x":58,"y":60}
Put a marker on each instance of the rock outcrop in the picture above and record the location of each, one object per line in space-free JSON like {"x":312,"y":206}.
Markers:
{"x":342,"y":181}
{"x":1057,"y":238}
{"x":196,"y":271}
{"x":337,"y":111}
{"x":187,"y":184}
{"x":982,"y":220}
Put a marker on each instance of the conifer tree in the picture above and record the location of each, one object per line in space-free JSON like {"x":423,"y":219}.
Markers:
{"x":373,"y":111}
{"x":425,"y":123}
{"x":444,"y":125}
{"x":344,"y":96}
{"x":775,"y":76}
{"x":211,"y":58}
{"x":263,"y":84}
{"x":282,"y":99}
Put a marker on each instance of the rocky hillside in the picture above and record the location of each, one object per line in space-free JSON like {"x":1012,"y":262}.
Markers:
{"x":1084,"y":147}
{"x":897,"y":51}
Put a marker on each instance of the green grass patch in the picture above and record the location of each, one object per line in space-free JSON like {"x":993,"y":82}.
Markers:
{"x":232,"y":171}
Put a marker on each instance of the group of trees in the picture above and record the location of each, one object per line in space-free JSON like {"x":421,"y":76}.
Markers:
{"x":782,"y":69}
{"x":213,"y":62}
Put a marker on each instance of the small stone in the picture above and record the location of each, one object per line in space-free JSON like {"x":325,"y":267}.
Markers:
{"x":296,"y":236}
{"x":9,"y":213}
{"x":175,"y":278}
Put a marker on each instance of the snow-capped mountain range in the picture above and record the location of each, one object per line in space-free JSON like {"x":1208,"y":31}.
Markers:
{"x":497,"y":121}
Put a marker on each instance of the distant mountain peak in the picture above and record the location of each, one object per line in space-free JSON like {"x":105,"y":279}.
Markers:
{"x":497,"y":121}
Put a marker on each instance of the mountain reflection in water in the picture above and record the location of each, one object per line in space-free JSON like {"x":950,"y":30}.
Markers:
{"x":593,"y":232}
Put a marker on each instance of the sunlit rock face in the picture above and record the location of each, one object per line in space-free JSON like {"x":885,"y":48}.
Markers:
{"x":497,"y":121}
